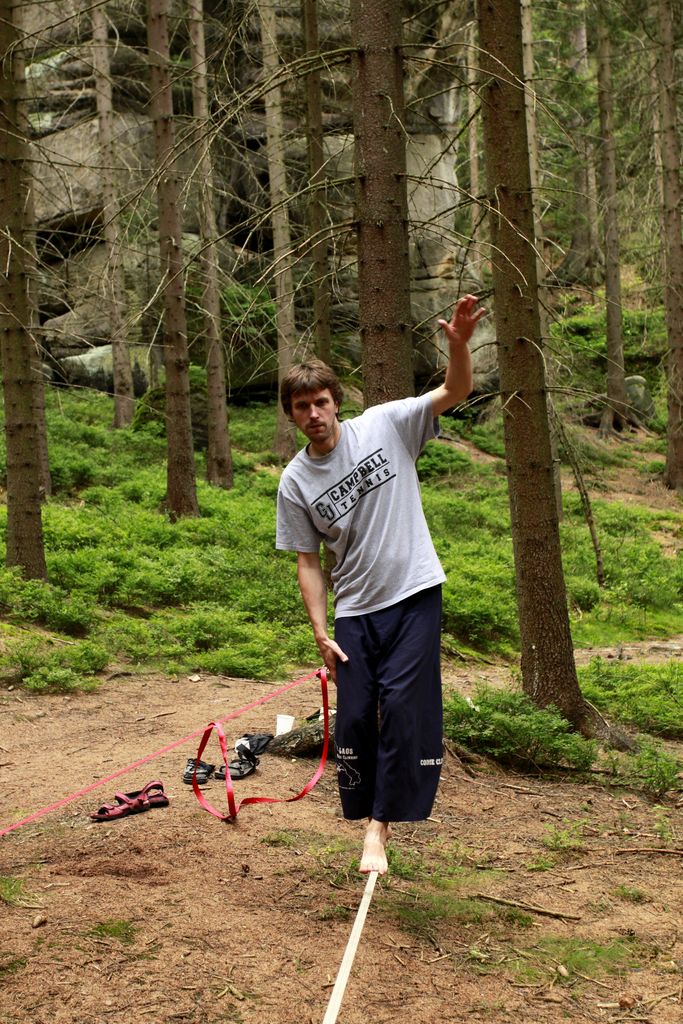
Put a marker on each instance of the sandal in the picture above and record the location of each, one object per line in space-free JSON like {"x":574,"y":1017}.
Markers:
{"x":151,"y":795}
{"x":244,"y":765}
{"x":203,"y":771}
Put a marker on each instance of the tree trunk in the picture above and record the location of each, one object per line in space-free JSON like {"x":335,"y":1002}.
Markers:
{"x":38,"y":375}
{"x":24,"y":522}
{"x":316,"y":204}
{"x":583,"y":255}
{"x":181,"y":495}
{"x":37,"y":372}
{"x":614,"y":413}
{"x":535,"y":179}
{"x":476,"y":253}
{"x":381,"y":200}
{"x":285,"y":434}
{"x":219,"y":454}
{"x":124,"y":399}
{"x":548,"y":669}
{"x":673,"y":241}
{"x":530,"y":100}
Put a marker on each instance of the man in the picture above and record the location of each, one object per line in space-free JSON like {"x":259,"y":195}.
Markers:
{"x":354,"y":487}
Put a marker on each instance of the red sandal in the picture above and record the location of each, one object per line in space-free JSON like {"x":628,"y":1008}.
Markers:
{"x":151,"y":795}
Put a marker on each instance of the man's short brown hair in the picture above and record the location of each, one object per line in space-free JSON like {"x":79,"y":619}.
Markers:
{"x":313,"y":375}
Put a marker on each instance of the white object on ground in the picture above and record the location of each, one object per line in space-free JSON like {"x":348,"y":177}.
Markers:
{"x":283,"y":723}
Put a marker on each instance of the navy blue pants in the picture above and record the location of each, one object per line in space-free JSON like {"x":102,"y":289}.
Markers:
{"x":388,"y":729}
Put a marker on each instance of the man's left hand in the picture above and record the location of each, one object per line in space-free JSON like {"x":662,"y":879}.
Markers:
{"x":465,"y":318}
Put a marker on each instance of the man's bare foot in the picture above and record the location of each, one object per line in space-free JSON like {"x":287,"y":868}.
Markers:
{"x":374,"y":856}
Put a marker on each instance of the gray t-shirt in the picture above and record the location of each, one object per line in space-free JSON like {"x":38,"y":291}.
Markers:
{"x":362,"y":500}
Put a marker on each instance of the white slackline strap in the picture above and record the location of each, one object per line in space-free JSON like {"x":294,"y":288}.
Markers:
{"x":350,"y":952}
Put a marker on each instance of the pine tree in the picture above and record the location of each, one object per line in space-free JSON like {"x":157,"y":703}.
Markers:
{"x":181,"y":495}
{"x":124,"y":400}
{"x":547,"y":660}
{"x":381,"y":200}
{"x":614,"y":412}
{"x":673,"y":239}
{"x":24,"y":520}
{"x":219,"y":454}
{"x":285,"y":435}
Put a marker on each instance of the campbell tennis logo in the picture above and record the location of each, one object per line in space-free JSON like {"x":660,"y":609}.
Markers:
{"x":367,"y":476}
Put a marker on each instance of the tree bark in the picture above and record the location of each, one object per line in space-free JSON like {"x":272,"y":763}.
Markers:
{"x":285,"y":434}
{"x":181,"y":495}
{"x":24,"y":522}
{"x":583,"y":257}
{"x":614,"y":414}
{"x":381,"y":200}
{"x":37,"y":372}
{"x":547,"y":661}
{"x":219,"y":454}
{"x":535,"y":179}
{"x":476,"y":253}
{"x":124,"y":399}
{"x":673,"y":241}
{"x":316,"y":203}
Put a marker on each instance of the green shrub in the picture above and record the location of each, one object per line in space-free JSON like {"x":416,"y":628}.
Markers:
{"x":440,"y":460}
{"x":510,"y":728}
{"x":583,"y":593}
{"x":53,"y":679}
{"x":46,"y":666}
{"x":656,"y":770}
{"x":86,"y":657}
{"x":647,"y":696}
{"x":479,"y":603}
{"x":652,"y":769}
{"x":486,"y":435}
{"x":70,"y":471}
{"x":583,"y":342}
{"x":36,"y":601}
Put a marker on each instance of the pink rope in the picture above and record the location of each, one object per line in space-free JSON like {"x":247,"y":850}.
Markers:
{"x":149,"y":757}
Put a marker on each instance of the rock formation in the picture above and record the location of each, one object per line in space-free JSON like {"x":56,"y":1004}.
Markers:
{"x":73,"y":275}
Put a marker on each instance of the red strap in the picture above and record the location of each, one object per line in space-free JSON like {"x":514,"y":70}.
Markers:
{"x":233,"y":807}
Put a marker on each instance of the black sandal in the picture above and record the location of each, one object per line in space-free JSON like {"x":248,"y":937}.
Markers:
{"x":244,"y":765}
{"x":204,"y":771}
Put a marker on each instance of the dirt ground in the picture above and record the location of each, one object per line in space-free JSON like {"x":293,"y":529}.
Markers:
{"x":173,"y":916}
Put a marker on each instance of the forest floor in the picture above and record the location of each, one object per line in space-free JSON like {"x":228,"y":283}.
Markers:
{"x":529,"y":899}
{"x":172,"y":915}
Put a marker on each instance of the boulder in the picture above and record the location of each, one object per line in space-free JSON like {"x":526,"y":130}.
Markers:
{"x":93,"y":369}
{"x":67,"y":187}
{"x":640,"y":399}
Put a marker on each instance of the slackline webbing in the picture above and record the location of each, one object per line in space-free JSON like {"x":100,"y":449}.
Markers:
{"x":335,"y":1002}
{"x":150,"y":757}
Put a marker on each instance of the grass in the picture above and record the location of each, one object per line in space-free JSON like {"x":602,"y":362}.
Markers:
{"x":630,"y":894}
{"x":115,"y":928}
{"x":510,"y":728}
{"x":424,"y":913}
{"x":579,"y":958}
{"x":334,"y":912}
{"x":647,"y":696}
{"x":542,"y":864}
{"x":128,"y":586}
{"x":564,"y":840}
{"x":13,"y":892}
{"x":10,"y":964}
{"x":281,"y":839}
